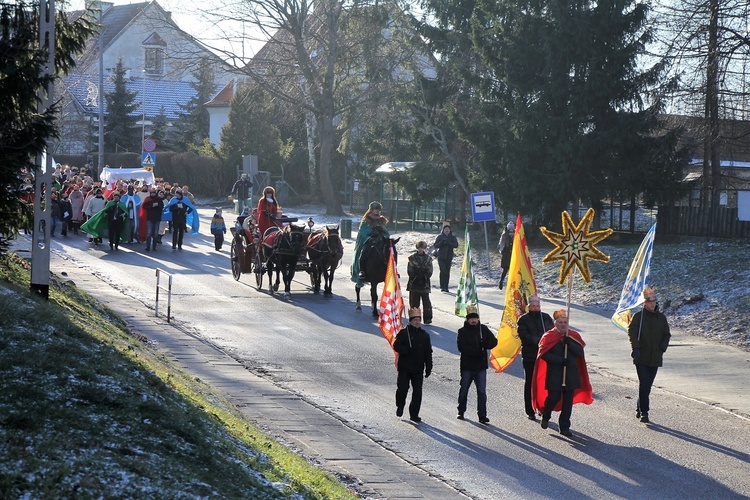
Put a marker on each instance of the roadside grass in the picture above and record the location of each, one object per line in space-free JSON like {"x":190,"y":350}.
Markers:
{"x":89,"y":410}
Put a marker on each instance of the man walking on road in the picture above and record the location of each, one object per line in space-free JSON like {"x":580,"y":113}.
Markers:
{"x":474,"y":342}
{"x":560,"y":374}
{"x":649,"y":339}
{"x":531,"y":327}
{"x":414,"y":358}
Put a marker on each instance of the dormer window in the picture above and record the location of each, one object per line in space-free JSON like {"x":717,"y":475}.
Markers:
{"x":153,"y":55}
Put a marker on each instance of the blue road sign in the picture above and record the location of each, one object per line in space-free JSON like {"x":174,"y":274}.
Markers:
{"x":148,"y":159}
{"x":483,"y":206}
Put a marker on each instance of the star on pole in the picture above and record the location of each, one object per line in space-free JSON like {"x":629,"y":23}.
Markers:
{"x":575,"y":246}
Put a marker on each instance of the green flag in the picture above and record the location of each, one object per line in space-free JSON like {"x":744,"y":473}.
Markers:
{"x":467,"y":285}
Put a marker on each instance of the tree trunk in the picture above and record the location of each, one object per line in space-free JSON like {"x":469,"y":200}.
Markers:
{"x":310,"y":123}
{"x":712,"y":162}
{"x":325,"y":133}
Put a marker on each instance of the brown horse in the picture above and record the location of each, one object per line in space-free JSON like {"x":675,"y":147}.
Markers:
{"x":325,"y":250}
{"x":281,"y":249}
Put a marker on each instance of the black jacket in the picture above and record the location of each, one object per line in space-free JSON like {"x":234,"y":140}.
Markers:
{"x":154,"y":208}
{"x":419,"y":270}
{"x":654,"y":338}
{"x":473,"y":343}
{"x":414,"y":350}
{"x":445,"y":243}
{"x":555,"y":359}
{"x":531,"y":327}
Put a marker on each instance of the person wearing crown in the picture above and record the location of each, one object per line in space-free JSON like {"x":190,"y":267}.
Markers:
{"x":561,"y":378}
{"x":649,"y":338}
{"x":414,"y":359}
{"x":474,"y":342}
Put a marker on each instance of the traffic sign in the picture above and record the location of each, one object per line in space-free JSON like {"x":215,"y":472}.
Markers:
{"x":483,"y":206}
{"x":149,"y":145}
{"x":148,"y":159}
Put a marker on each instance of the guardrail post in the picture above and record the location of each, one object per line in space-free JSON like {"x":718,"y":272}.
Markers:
{"x":168,"y":290}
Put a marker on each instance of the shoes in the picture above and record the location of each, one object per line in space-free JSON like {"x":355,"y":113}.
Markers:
{"x":637,"y":413}
{"x":174,"y":247}
{"x":484,"y":420}
{"x":415,"y":418}
{"x":500,"y":286}
{"x":444,"y":290}
{"x":644,"y":418}
{"x":460,"y":416}
{"x":147,"y":249}
{"x":545,"y":422}
{"x":531,"y":416}
{"x":566,"y":433}
{"x":399,"y":411}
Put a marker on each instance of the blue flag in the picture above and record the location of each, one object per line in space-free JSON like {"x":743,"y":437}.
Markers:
{"x":636,"y":282}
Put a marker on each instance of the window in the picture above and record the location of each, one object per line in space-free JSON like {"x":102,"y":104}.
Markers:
{"x":154,"y":60}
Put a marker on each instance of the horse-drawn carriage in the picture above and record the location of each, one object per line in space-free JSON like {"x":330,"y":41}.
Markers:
{"x":285,"y":248}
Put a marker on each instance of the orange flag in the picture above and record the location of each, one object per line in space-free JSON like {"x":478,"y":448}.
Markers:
{"x":521,"y":286}
{"x":391,"y":306}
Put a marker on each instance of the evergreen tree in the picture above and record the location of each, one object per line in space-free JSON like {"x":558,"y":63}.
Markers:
{"x":23,"y":129}
{"x":193,"y":123}
{"x":561,"y":97}
{"x":161,"y":131}
{"x":120,"y":124}
{"x":252,"y":129}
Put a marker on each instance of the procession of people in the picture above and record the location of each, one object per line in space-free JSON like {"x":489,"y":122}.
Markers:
{"x":553,"y":354}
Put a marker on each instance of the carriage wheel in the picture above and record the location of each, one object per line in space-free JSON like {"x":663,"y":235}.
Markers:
{"x":258,"y":270}
{"x":234,"y":258}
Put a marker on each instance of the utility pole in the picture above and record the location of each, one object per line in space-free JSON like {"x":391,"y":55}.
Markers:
{"x":43,"y":175}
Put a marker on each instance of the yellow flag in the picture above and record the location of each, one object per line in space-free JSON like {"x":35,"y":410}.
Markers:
{"x":521,"y":286}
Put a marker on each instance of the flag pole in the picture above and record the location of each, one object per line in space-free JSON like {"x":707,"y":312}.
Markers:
{"x":565,"y":354}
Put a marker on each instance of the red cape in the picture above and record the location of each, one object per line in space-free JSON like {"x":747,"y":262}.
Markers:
{"x":584,"y":394}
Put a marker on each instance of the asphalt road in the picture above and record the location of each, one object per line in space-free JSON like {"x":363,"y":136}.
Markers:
{"x":335,"y":358}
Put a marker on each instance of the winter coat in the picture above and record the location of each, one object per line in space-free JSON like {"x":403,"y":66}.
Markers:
{"x":473,"y":343}
{"x":153,"y":207}
{"x":505,"y":247}
{"x":76,"y":203}
{"x":179,"y":210}
{"x":555,"y":357}
{"x":66,"y":208}
{"x":419,"y":270}
{"x":654,"y":337}
{"x":414,"y":350}
{"x":531,"y":327}
{"x":93,"y":205}
{"x":217,"y":225}
{"x":445,"y":243}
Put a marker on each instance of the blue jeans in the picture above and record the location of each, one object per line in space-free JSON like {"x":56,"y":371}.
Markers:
{"x":152,"y":233}
{"x":646,"y":376}
{"x":480,"y":382}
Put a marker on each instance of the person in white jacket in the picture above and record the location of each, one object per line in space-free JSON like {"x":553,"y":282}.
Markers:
{"x":93,"y":205}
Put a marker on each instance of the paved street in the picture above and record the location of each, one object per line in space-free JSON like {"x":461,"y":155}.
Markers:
{"x":319,"y":375}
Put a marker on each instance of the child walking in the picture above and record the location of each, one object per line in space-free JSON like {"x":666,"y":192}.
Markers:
{"x":218,"y":229}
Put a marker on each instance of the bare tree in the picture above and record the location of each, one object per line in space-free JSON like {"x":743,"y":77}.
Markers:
{"x":708,"y":44}
{"x":327,"y":58}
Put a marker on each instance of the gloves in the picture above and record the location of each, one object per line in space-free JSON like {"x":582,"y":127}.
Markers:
{"x":427,"y":374}
{"x":636,"y":353}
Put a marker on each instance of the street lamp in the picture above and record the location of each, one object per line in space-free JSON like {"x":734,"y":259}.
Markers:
{"x":143,"y":107}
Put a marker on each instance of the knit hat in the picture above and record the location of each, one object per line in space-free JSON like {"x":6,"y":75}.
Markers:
{"x":510,"y":226}
{"x":415,"y":313}
{"x":375,"y":205}
{"x":472,"y":312}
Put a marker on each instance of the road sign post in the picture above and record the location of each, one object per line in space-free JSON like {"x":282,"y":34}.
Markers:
{"x":482,"y":210}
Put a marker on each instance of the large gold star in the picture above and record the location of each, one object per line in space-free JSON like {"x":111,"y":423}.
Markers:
{"x":576,"y":246}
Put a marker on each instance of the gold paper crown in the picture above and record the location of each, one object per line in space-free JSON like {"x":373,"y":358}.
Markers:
{"x":415,"y":313}
{"x":472,"y":311}
{"x":559,"y":314}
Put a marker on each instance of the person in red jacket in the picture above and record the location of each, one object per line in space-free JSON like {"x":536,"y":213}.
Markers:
{"x":560,"y":376}
{"x":268,"y":207}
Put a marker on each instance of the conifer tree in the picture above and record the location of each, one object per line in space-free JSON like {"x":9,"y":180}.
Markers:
{"x":120,"y":124}
{"x":193,"y":124}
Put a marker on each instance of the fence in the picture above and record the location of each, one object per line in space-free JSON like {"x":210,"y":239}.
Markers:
{"x":168,"y":289}
{"x":689,"y":221}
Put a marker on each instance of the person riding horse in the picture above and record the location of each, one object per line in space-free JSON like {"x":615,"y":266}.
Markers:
{"x":372,"y":223}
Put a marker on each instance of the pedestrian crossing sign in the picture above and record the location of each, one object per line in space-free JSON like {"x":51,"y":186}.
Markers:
{"x":148,"y":159}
